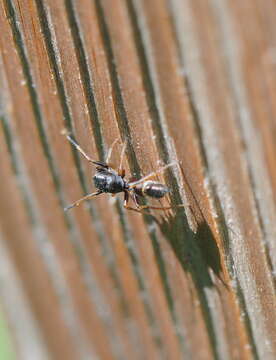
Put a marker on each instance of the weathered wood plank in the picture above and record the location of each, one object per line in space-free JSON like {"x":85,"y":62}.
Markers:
{"x":183,"y":81}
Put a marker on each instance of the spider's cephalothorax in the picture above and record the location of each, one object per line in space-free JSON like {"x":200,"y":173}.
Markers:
{"x":108,"y":181}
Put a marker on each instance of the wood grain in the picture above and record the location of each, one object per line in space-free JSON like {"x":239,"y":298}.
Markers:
{"x":190,"y":82}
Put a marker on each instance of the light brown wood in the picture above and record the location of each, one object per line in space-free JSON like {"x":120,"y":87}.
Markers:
{"x":178,"y":80}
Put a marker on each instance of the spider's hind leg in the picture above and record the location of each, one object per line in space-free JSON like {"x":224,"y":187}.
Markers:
{"x":152,"y":174}
{"x":140,"y":208}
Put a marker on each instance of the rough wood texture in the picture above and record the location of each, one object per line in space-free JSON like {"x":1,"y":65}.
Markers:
{"x":180,"y":80}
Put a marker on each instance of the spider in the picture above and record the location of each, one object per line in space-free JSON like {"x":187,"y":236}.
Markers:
{"x":108,"y":180}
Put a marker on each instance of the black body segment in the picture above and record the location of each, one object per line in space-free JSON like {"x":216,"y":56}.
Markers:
{"x":155,"y":189}
{"x":108,"y":182}
{"x":151,"y":188}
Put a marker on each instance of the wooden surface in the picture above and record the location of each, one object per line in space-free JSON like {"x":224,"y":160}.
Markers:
{"x":179,"y":80}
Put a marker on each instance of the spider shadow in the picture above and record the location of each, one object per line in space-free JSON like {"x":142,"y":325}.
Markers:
{"x":197,"y":254}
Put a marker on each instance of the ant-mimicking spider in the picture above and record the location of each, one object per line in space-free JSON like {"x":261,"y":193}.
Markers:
{"x":108,"y":180}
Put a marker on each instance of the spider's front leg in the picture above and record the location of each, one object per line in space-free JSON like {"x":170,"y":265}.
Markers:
{"x":86,"y":197}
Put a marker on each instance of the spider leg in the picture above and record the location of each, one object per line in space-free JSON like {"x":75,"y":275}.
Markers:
{"x":155,"y":207}
{"x":120,"y":171}
{"x":111,"y":150}
{"x":123,"y":151}
{"x":86,"y":197}
{"x":126,"y":198}
{"x":151,"y":175}
{"x":126,"y":206}
{"x":135,"y":199}
{"x":87,"y":157}
{"x":162,"y":207}
{"x":140,"y":208}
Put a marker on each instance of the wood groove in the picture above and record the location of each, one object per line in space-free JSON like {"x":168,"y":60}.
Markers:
{"x":179,"y":81}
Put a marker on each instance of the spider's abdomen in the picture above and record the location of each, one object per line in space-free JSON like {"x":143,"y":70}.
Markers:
{"x":108,"y":182}
{"x":154,"y":189}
